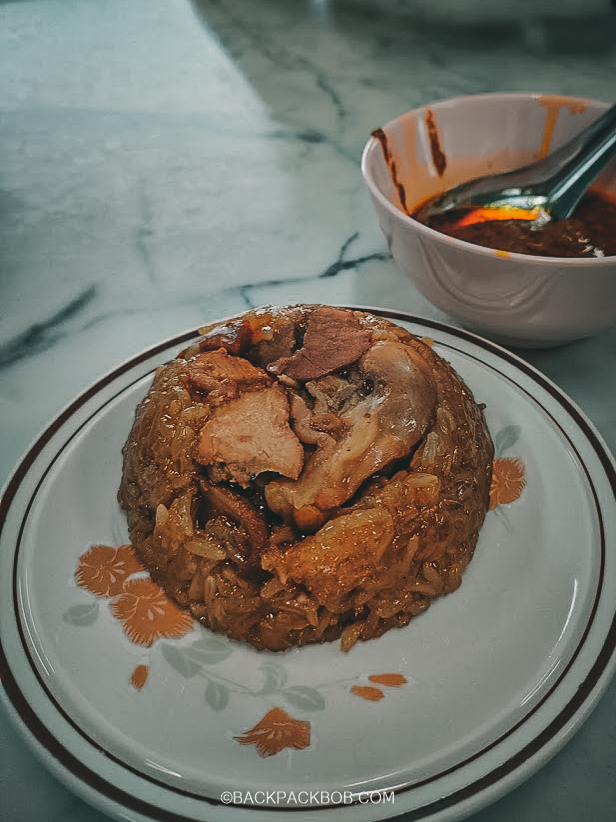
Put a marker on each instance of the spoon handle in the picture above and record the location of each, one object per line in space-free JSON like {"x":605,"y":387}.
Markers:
{"x":568,"y":185}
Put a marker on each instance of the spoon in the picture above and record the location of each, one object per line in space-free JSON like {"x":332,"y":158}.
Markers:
{"x":549,"y":188}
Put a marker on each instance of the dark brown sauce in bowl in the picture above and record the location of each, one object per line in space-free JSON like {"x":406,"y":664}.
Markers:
{"x":590,"y":232}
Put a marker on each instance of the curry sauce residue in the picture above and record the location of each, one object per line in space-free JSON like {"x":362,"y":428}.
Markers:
{"x":553,"y":106}
{"x":439,"y":160}
{"x":438,"y":156}
{"x":380,"y":135}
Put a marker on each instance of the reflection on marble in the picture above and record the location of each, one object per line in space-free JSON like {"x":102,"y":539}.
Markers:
{"x":167,"y":163}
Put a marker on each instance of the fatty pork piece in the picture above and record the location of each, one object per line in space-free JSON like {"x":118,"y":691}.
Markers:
{"x":367,"y":434}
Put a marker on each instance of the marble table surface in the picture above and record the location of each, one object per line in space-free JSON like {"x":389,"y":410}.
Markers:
{"x":167,"y":162}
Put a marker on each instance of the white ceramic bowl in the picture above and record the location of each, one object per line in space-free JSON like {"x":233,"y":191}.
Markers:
{"x":516,"y":299}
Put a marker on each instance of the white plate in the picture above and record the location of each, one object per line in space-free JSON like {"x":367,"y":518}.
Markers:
{"x":498,"y":674}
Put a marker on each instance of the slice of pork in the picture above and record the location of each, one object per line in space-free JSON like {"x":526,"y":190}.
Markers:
{"x":248,"y":431}
{"x":379,"y":429}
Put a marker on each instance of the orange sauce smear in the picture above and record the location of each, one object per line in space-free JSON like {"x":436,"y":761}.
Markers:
{"x":486,"y":215}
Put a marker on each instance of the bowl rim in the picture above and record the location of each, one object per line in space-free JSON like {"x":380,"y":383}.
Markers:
{"x":373,"y":145}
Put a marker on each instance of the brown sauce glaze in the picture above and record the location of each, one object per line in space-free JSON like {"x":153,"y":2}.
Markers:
{"x":590,"y":232}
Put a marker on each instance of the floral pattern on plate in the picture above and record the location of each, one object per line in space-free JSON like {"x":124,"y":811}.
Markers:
{"x":148,"y":615}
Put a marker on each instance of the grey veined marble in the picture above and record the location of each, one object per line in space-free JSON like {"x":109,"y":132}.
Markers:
{"x":167,"y":162}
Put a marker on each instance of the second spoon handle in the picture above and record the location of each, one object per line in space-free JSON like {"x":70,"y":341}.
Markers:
{"x":597,"y":146}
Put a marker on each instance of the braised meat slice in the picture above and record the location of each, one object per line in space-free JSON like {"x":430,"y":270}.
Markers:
{"x":333,"y":339}
{"x":250,"y":434}
{"x":248,"y":429}
{"x":221,"y":375}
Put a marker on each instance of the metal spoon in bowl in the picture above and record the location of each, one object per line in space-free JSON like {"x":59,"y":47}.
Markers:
{"x":551,"y":187}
